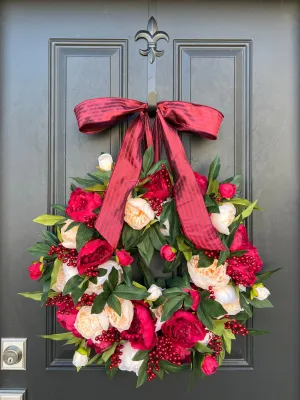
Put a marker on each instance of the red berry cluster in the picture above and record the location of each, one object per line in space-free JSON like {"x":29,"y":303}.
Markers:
{"x":90,"y":221}
{"x":236,"y":328}
{"x":236,"y":265}
{"x":219,"y":199}
{"x":164,"y":350}
{"x":211,"y":254}
{"x":112,"y":335}
{"x":59,"y":300}
{"x":211,"y":293}
{"x":87,"y":300}
{"x":92,"y":271}
{"x":115,"y":358}
{"x":162,"y":174}
{"x":216,"y":345}
{"x":68,"y":256}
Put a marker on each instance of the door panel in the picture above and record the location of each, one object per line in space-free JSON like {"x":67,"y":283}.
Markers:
{"x":239,"y":57}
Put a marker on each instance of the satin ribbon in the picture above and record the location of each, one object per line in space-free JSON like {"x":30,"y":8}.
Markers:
{"x":96,"y":115}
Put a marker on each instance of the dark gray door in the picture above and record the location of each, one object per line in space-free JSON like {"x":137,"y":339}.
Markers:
{"x":240,"y":57}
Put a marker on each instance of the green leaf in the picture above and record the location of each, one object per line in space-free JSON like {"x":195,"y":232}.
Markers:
{"x":233,"y":227}
{"x":171,"y":368}
{"x":113,"y":277}
{"x":99,"y":302}
{"x":46,"y":289}
{"x":142,"y":376}
{"x":107,"y":287}
{"x":204,"y":261}
{"x":131,"y":237}
{"x":156,"y":167}
{"x":60,"y":208}
{"x":146,"y":249}
{"x":127,"y":274}
{"x":48,"y":220}
{"x":110,"y":372}
{"x":213,"y":188}
{"x":166,"y":210}
{"x":174,"y":223}
{"x":171,"y":306}
{"x":212,"y":205}
{"x":109,"y":352}
{"x":84,"y":182}
{"x":114,"y":303}
{"x":36,"y":295}
{"x":235,"y":180}
{"x":100,"y":176}
{"x":156,"y":238}
{"x":84,"y":234}
{"x":161,"y":282}
{"x":94,"y":359}
{"x":173,"y":265}
{"x":202,"y":348}
{"x":101,"y":272}
{"x":39,"y":250}
{"x":78,"y":291}
{"x":261,"y":303}
{"x":245,"y":305}
{"x":203,"y":317}
{"x":180,"y":282}
{"x":96,"y":188}
{"x":59,"y":336}
{"x":214,"y":169}
{"x":56,"y":267}
{"x":72,"y":283}
{"x":257,"y":332}
{"x":148,"y":160}
{"x":247,"y":212}
{"x":266,"y":275}
{"x":238,"y":253}
{"x":50,"y":238}
{"x":188,"y":302}
{"x":147,"y":274}
{"x":130,"y":292}
{"x":227,"y":344}
{"x":223,"y":257}
{"x":159,"y":373}
{"x":140,"y":355}
{"x":72,"y":225}
{"x":212,"y":308}
{"x":241,"y":202}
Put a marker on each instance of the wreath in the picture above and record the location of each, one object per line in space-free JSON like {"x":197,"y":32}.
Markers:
{"x":186,"y":318}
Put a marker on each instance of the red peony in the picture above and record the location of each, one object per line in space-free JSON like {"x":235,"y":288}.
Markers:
{"x":141,"y":333}
{"x":227,"y":190}
{"x":195,"y":295}
{"x":209,"y":365}
{"x":81,"y":205}
{"x":67,"y":319}
{"x":35,"y":271}
{"x":184,"y":329}
{"x":243,"y":269}
{"x":168,"y":253}
{"x":93,"y":254}
{"x":158,"y":187}
{"x":124,"y":258}
{"x":99,"y":346}
{"x":202,"y":182}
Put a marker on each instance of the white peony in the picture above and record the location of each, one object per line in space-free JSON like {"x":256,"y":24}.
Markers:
{"x":126,"y":363}
{"x":90,"y":325}
{"x":262,"y":293}
{"x":105,"y":162}
{"x":80,"y":358}
{"x":229,"y":299}
{"x":121,"y":322}
{"x":138,"y":213}
{"x":222,"y":220}
{"x":98,"y":287}
{"x":65,"y":273}
{"x":210,"y":276}
{"x":69,"y":237}
{"x":155,"y":292}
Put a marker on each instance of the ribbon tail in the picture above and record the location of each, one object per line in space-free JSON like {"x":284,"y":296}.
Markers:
{"x":190,"y":204}
{"x":124,"y":178}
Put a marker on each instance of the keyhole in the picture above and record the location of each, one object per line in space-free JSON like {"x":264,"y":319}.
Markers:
{"x":10,"y":360}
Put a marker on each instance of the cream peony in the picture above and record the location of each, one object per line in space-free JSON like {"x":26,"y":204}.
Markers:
{"x":211,"y":276}
{"x":98,"y":287}
{"x":222,"y":220}
{"x":155,"y":292}
{"x":65,"y":273}
{"x":126,"y":363}
{"x":121,"y":322}
{"x":90,"y":325}
{"x":69,"y":237}
{"x":138,"y":213}
{"x":105,"y":162}
{"x":80,"y":358}
{"x":229,"y":299}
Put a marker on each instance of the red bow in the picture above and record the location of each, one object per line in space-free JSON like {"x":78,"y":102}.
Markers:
{"x":95,"y":115}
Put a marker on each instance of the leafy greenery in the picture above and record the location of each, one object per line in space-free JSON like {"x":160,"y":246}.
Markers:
{"x":48,"y":220}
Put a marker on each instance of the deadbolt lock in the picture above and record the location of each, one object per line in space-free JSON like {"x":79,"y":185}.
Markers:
{"x":12,"y":355}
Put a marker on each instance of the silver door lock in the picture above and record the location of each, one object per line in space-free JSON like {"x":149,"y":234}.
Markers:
{"x":12,"y":355}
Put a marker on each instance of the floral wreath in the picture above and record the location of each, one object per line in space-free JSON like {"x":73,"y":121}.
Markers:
{"x":186,"y":321}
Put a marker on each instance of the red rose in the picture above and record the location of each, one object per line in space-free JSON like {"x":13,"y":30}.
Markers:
{"x":202,"y":182}
{"x":81,"y":205}
{"x":227,"y":190}
{"x":35,"y":271}
{"x":67,"y":318}
{"x":93,"y":254}
{"x":209,"y":365}
{"x":243,"y":269}
{"x":195,"y":295}
{"x":141,"y":333}
{"x":184,"y":329}
{"x":124,"y":258}
{"x":168,"y":252}
{"x":158,"y":186}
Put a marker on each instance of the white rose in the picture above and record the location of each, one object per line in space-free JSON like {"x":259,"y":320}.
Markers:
{"x":121,"y":322}
{"x":155,"y":292}
{"x":138,"y":213}
{"x":65,"y":273}
{"x":229,"y":299}
{"x":69,"y":237}
{"x":206,"y":339}
{"x":80,"y":358}
{"x":90,"y":325}
{"x":222,"y":220}
{"x":210,"y":276}
{"x":262,"y":293}
{"x":126,"y":363}
{"x":105,"y":162}
{"x":98,"y":287}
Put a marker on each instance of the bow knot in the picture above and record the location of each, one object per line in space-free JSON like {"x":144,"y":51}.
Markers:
{"x":95,"y":115}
